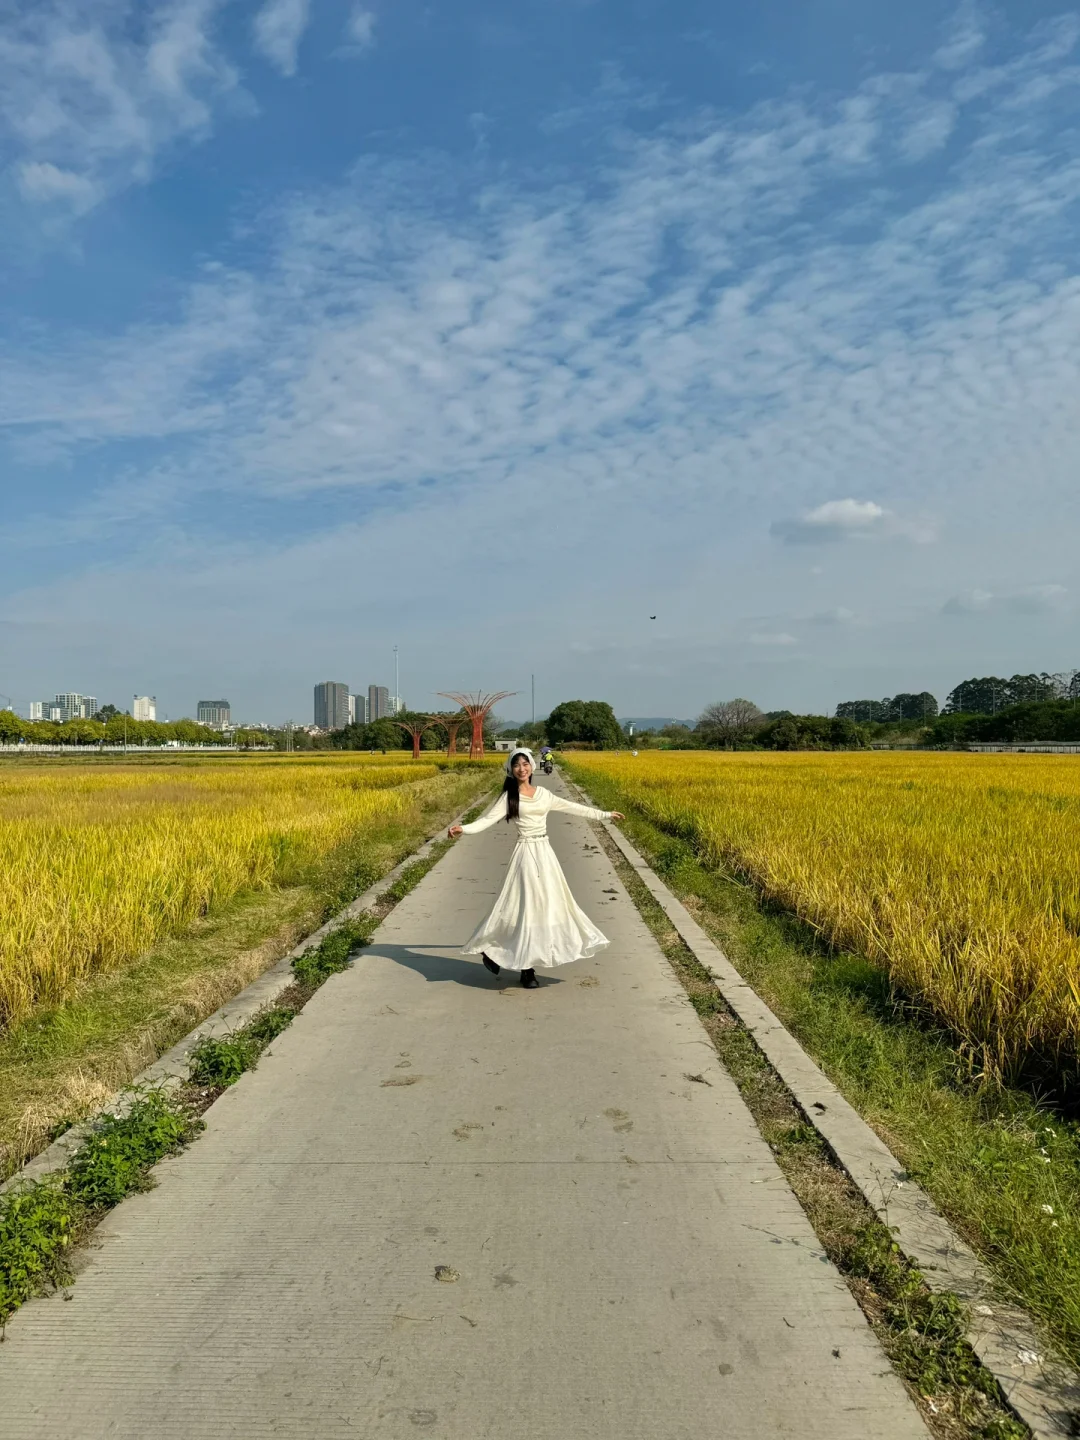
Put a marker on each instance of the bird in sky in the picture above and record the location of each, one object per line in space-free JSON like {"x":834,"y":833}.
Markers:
{"x":652,"y":617}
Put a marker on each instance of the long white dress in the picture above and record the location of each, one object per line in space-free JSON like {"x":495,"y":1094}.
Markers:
{"x":535,"y":922}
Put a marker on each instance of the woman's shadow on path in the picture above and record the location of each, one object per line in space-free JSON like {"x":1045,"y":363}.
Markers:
{"x":441,"y":968}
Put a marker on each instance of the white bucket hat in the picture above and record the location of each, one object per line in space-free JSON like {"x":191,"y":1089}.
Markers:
{"x":521,"y":750}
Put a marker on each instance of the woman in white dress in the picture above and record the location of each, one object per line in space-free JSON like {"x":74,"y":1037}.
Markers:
{"x":535,"y":920}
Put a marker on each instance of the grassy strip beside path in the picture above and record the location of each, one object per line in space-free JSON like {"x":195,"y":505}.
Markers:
{"x":924,"y":1333}
{"x":42,"y":1222}
{"x":65,"y":1061}
{"x":1003,"y":1166}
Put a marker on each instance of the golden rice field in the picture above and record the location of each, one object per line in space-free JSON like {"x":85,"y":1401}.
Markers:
{"x":98,"y":863}
{"x":959,"y":874}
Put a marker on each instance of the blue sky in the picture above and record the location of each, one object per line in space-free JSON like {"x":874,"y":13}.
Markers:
{"x":493,"y":330}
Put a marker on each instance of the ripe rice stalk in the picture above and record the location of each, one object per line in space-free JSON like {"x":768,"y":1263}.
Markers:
{"x":958,"y":874}
{"x":98,"y":863}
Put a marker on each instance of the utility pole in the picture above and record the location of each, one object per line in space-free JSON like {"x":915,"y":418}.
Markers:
{"x":397,"y":683}
{"x":533,"y":679}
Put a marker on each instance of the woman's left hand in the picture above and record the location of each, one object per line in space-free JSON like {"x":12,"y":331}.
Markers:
{"x":617,"y":815}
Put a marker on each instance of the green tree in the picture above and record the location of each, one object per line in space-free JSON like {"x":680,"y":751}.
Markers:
{"x":250,"y":739}
{"x":11,"y":727}
{"x":922,"y":706}
{"x":589,"y":722}
{"x":1045,"y":720}
{"x":82,"y":732}
{"x":988,"y":694}
{"x":812,"y":732}
{"x":866,"y":711}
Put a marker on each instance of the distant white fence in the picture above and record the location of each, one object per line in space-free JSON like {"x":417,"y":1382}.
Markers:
{"x":1032,"y":747}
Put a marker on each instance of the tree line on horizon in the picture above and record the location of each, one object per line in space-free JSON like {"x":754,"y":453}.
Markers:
{"x":983,"y":709}
{"x":115,"y":728}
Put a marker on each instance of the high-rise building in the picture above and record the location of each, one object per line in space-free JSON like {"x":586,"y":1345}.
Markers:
{"x":363,"y":713}
{"x":68,"y":706}
{"x":378,"y":702}
{"x":215,"y":713}
{"x":331,"y":705}
{"x":352,"y":709}
{"x":144,"y":707}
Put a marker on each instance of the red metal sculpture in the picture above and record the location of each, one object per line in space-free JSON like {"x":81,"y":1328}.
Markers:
{"x":451,"y":724}
{"x":477,"y":708}
{"x":414,"y":729}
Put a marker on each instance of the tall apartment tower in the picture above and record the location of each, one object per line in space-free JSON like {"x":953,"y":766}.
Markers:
{"x":362,"y":711}
{"x":216,"y":713}
{"x":144,"y":707}
{"x":331,"y":705}
{"x":68,"y":706}
{"x":378,"y":702}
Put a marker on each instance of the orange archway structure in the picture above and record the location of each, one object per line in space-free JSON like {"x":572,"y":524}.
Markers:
{"x":477,"y":708}
{"x":414,"y":729}
{"x":451,"y":724}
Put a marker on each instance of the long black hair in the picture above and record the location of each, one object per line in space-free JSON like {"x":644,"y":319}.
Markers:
{"x":512,"y":791}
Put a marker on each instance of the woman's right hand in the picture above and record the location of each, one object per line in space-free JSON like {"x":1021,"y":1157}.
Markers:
{"x":454,"y":831}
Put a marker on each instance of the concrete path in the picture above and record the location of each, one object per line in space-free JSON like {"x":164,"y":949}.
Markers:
{"x":626,"y":1262}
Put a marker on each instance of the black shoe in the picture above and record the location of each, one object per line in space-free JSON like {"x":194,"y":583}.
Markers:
{"x":529,"y":980}
{"x":490,"y":965}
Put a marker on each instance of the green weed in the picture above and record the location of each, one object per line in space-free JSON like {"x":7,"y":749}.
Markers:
{"x":219,"y":1061}
{"x":334,"y":951}
{"x":115,"y":1159}
{"x":37,"y":1225}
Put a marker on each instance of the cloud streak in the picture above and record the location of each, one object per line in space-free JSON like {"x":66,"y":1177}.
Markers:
{"x":90,"y":97}
{"x":278,"y":29}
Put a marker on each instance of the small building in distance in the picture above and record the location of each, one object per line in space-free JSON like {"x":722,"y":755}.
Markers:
{"x":214,"y":713}
{"x":144,"y":707}
{"x":378,"y":702}
{"x":331,"y":705}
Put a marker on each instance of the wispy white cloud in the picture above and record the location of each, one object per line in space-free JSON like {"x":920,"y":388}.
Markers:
{"x":43,"y":182}
{"x":832,"y":521}
{"x":839,"y":520}
{"x":360,"y":30}
{"x":964,"y":39}
{"x":547,"y":333}
{"x":278,"y":29}
{"x":1028,"y":600}
{"x":91,"y":96}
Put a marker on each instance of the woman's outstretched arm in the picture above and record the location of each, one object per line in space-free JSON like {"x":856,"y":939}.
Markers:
{"x":491,"y":817}
{"x":586,"y":811}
